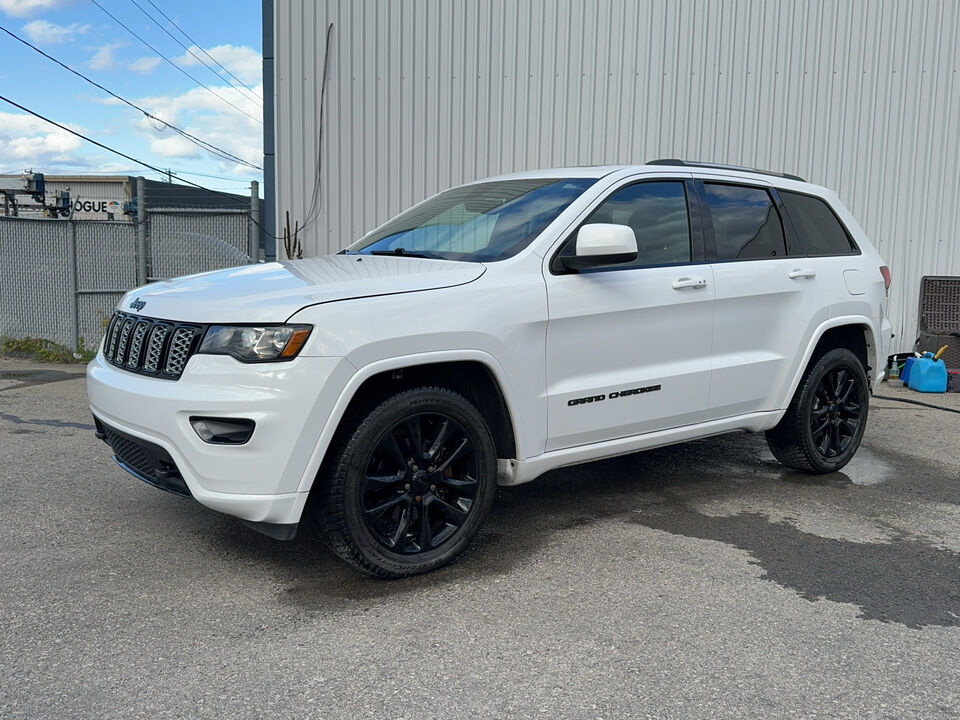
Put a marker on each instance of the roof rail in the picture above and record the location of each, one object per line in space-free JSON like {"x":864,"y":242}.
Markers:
{"x":719,"y":166}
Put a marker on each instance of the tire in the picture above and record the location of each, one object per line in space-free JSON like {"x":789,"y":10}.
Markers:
{"x":824,"y":424}
{"x":385,"y":513}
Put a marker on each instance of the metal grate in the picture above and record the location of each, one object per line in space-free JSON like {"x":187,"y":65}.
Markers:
{"x":149,"y":346}
{"x":940,"y":317}
{"x":147,"y":461}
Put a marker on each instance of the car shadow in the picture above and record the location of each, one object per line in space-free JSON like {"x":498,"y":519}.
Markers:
{"x":904,"y":580}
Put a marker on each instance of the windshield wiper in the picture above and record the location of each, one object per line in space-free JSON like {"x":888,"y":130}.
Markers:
{"x":409,"y":253}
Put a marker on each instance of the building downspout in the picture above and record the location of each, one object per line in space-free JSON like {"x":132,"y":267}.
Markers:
{"x":269,"y":219}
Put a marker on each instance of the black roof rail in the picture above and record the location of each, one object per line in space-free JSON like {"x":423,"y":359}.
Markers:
{"x":719,"y":166}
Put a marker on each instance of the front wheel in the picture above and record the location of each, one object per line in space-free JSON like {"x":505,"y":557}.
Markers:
{"x":407,"y":491}
{"x":824,"y":424}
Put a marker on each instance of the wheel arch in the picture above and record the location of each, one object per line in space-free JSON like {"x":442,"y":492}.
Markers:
{"x":854,"y":332}
{"x":475,"y":374}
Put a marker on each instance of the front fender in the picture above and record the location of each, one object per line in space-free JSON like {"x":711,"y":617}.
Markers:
{"x":366,"y":372}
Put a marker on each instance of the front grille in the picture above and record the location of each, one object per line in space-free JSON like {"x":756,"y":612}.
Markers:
{"x":145,"y":460}
{"x":149,"y":346}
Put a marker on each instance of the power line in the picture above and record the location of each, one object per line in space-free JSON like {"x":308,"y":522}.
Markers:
{"x":256,"y":97}
{"x":209,"y":147}
{"x":173,"y":64}
{"x":198,"y":45}
{"x":126,"y":157}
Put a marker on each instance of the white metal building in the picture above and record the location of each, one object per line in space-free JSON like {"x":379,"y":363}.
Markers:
{"x":862,"y":96}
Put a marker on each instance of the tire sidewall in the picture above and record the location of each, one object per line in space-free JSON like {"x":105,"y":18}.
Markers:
{"x":357,"y":453}
{"x":837,"y":358}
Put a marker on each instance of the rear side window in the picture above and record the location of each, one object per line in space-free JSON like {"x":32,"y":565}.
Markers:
{"x":819,"y":229}
{"x":657,"y":214}
{"x":746,"y":225}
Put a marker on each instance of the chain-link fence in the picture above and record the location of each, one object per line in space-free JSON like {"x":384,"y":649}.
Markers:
{"x":61,"y":279}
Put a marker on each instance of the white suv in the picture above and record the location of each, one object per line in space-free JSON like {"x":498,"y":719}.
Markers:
{"x":491,"y":333}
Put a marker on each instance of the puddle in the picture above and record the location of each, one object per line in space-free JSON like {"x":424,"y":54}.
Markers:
{"x":904,"y":581}
{"x":46,"y":423}
{"x":868,"y":468}
{"x":29,"y":378}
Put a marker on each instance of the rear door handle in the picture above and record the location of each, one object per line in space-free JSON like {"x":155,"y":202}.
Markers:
{"x":685,"y":282}
{"x":802,"y":273}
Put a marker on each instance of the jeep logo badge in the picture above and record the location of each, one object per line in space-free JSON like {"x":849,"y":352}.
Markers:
{"x":138,"y":304}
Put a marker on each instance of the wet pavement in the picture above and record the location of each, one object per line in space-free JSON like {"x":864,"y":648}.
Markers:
{"x":701,"y":580}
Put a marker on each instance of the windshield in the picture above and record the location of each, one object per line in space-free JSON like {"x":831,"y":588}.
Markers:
{"x":478,"y":223}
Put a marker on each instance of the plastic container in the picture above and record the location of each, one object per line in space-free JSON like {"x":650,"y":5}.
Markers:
{"x":905,"y":374}
{"x":928,"y":375}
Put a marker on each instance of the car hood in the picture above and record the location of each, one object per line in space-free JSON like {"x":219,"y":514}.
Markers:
{"x":272,"y":292}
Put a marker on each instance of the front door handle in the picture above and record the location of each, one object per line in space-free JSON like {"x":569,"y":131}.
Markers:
{"x":686,"y":282}
{"x":802,"y":273}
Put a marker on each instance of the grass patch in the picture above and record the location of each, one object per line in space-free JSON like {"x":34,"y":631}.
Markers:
{"x":40,"y":350}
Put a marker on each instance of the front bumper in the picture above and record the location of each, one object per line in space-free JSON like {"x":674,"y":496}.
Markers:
{"x":257,"y":481}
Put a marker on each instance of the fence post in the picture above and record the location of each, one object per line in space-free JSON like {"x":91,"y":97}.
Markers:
{"x":72,"y":280}
{"x":141,"y":232}
{"x":254,"y":221}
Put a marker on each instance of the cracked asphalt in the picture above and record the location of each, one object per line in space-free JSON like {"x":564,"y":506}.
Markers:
{"x":701,"y":580}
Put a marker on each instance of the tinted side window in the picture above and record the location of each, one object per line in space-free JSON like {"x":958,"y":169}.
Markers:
{"x":745,"y":223}
{"x":819,"y":229}
{"x":657,"y":213}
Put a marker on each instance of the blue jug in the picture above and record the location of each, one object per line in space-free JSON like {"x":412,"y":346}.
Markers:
{"x":928,"y":375}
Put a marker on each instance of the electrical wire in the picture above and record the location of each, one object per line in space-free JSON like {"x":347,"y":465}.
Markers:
{"x":256,"y":98}
{"x":209,"y":147}
{"x":313,"y":211}
{"x":198,"y":45}
{"x":173,"y":64}
{"x":127,"y":157}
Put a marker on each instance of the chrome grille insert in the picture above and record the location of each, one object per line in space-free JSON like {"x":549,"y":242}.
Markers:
{"x":136,"y":345}
{"x":155,"y":348}
{"x":122,"y":344}
{"x":179,"y":351}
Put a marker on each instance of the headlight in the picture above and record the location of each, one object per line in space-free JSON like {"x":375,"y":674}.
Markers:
{"x":255,"y":344}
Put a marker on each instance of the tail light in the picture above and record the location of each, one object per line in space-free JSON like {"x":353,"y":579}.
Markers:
{"x":887,"y":278}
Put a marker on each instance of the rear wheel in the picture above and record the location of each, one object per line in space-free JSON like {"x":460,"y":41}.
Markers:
{"x":824,"y":424}
{"x":409,"y":488}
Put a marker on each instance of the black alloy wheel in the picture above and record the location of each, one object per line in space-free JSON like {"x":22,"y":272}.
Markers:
{"x":824,"y":423}
{"x":420,"y":483}
{"x":835,"y":415}
{"x":407,"y":483}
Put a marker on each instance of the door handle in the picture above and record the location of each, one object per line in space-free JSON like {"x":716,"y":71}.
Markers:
{"x":801,"y":273}
{"x":685,"y":282}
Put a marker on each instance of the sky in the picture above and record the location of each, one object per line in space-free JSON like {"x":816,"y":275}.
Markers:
{"x":226,"y":114}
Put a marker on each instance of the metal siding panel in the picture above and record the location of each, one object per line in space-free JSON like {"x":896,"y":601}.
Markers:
{"x":859,"y":96}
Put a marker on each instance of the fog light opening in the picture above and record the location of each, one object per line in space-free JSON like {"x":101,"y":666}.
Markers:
{"x":223,"y":431}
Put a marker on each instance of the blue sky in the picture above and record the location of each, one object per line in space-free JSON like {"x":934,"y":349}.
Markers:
{"x":82,"y":36}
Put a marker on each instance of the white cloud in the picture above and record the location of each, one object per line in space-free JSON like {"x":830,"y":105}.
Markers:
{"x":26,"y":8}
{"x":31,"y":142}
{"x":48,"y":33}
{"x":202,"y":114}
{"x":244,"y":62}
{"x":104,"y":57}
{"x":144,"y":65}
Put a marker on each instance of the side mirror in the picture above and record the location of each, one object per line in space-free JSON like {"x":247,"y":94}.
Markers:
{"x":600,"y":245}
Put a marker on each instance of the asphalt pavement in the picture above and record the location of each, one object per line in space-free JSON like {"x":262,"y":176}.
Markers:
{"x":696,"y":581}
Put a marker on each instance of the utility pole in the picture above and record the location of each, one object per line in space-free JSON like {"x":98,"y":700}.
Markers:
{"x":141,"y":232}
{"x":254,"y":221}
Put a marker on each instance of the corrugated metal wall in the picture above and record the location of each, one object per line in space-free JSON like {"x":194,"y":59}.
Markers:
{"x":860,"y":95}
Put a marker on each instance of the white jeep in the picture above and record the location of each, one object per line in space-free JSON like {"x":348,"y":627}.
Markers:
{"x":491,"y":333}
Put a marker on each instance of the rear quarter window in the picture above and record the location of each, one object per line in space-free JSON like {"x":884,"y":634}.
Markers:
{"x":820,"y":231}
